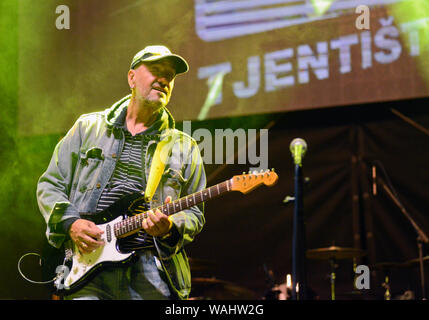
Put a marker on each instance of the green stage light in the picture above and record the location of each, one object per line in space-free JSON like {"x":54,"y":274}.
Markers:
{"x":412,"y":17}
{"x":321,"y":6}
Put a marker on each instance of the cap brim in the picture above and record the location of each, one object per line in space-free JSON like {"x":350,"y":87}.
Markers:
{"x":180,"y":63}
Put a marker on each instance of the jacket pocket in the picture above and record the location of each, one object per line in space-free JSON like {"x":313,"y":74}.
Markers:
{"x":86,"y":175}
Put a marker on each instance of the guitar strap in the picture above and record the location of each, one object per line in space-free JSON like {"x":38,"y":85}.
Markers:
{"x":159,"y":159}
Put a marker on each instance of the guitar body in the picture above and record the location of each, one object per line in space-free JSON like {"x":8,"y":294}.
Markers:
{"x":74,"y":269}
{"x":84,"y":265}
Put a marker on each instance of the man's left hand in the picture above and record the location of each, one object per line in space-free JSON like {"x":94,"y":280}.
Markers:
{"x":157,"y":223}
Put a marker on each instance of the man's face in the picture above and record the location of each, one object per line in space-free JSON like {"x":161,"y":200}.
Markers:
{"x":153,"y":82}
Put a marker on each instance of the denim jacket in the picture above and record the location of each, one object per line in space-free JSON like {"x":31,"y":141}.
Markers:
{"x":83,"y":163}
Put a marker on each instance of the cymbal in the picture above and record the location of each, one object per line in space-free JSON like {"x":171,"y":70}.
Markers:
{"x":386,"y":266}
{"x":334,"y":252}
{"x":393,"y":265}
{"x":212,"y":288}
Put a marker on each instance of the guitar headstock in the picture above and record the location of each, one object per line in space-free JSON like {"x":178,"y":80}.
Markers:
{"x":247,"y":182}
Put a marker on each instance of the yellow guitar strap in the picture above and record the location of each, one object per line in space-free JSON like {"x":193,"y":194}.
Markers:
{"x":157,"y":166}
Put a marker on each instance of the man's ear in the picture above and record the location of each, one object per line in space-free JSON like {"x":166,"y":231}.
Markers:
{"x":131,"y":76}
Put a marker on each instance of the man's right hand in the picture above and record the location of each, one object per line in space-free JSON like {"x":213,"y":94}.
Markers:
{"x":86,"y":235}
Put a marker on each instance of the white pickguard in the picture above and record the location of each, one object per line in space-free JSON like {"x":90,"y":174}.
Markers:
{"x":84,"y":263}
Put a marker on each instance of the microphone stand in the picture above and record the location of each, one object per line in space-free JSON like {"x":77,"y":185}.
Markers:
{"x":298,"y":241}
{"x":421,"y":236}
{"x":299,"y":277}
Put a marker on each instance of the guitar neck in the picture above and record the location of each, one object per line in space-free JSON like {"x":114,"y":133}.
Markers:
{"x":195,"y":198}
{"x":132,"y":224}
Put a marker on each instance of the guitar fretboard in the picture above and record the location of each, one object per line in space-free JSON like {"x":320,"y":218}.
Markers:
{"x":133,"y":224}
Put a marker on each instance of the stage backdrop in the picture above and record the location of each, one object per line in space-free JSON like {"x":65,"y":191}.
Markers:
{"x":245,"y":56}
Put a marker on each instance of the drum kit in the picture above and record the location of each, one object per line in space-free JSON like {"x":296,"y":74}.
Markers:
{"x":333,"y":254}
{"x":216,"y":289}
{"x":387,"y":267}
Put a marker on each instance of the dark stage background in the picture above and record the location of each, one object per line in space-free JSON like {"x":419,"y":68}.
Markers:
{"x":243,"y":233}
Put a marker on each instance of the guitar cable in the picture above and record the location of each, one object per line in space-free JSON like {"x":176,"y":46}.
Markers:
{"x":40,"y":263}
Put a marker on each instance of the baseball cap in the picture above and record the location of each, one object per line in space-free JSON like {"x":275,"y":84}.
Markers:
{"x":158,"y":52}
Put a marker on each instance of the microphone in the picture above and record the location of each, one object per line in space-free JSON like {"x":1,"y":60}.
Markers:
{"x":298,"y":147}
{"x":374,"y":180}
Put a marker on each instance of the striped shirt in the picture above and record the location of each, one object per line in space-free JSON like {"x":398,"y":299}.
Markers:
{"x":128,"y":176}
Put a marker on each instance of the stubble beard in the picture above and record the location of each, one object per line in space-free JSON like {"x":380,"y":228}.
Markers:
{"x":154,"y":105}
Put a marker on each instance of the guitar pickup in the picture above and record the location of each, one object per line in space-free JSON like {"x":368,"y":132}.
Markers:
{"x":108,"y":233}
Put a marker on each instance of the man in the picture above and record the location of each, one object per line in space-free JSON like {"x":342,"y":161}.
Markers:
{"x":109,"y":154}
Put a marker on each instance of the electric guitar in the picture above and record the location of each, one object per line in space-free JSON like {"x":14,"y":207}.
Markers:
{"x":122,"y":223}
